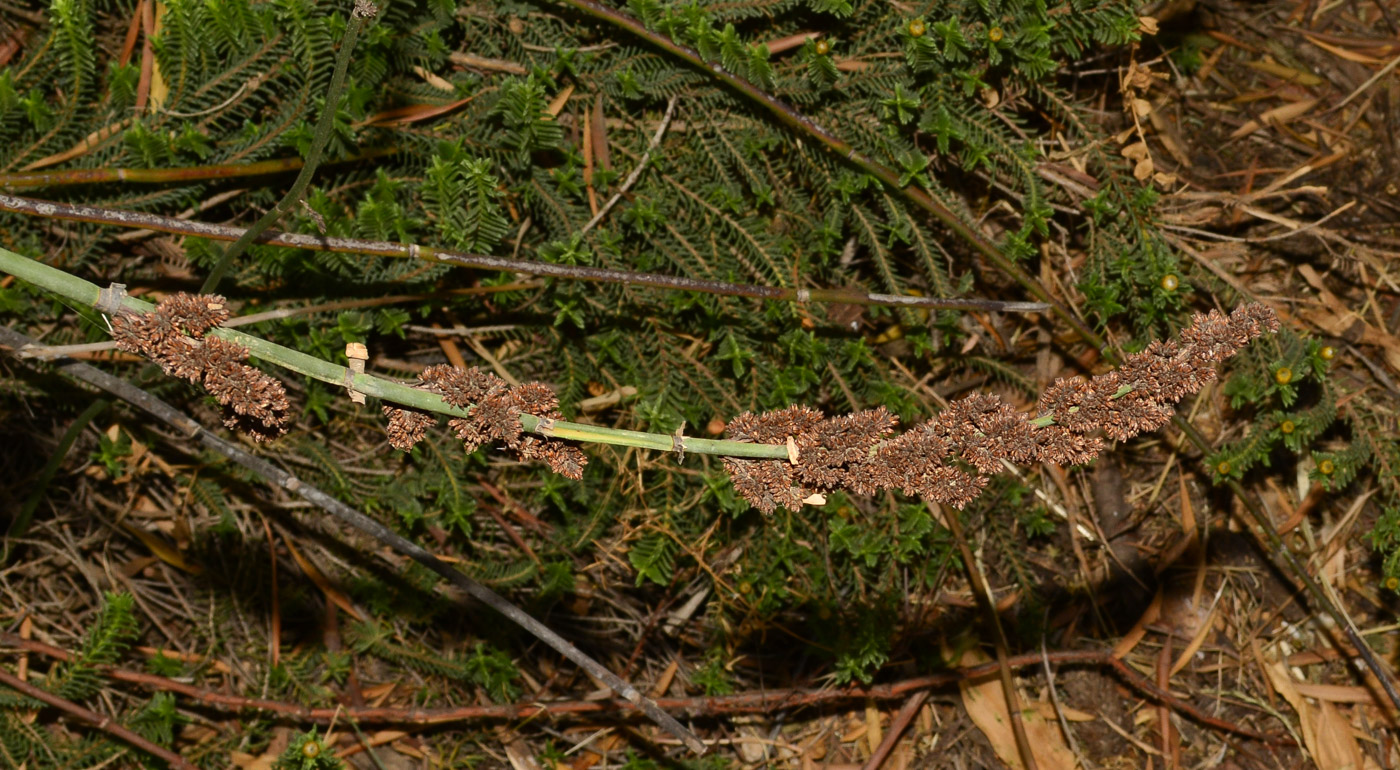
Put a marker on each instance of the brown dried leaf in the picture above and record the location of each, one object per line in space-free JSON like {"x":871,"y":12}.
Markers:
{"x":986,"y":705}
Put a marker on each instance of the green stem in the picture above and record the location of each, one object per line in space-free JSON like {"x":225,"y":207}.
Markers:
{"x":319,"y":140}
{"x":79,"y":290}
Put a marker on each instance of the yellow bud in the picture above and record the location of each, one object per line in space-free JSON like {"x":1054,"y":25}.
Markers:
{"x":1326,"y":467}
{"x":1287,"y":426}
{"x":995,"y":34}
{"x":1327,"y":352}
{"x":916,"y":28}
{"x":823,"y":47}
{"x":1283,"y":375}
{"x":1170,"y":282}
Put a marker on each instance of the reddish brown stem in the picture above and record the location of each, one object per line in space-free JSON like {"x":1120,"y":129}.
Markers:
{"x":191,"y":174}
{"x":759,"y":702}
{"x":103,"y":723}
{"x":897,"y":725}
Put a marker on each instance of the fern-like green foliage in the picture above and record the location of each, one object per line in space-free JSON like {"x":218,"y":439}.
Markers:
{"x":502,"y":128}
{"x":1287,"y":386}
{"x":24,"y":743}
{"x":108,"y":638}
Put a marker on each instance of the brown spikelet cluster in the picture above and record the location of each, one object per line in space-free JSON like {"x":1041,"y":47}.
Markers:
{"x":949,"y":458}
{"x":172,"y":335}
{"x":406,"y":427}
{"x":495,"y":408}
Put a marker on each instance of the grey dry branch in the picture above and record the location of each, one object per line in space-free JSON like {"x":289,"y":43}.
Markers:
{"x":175,"y":226}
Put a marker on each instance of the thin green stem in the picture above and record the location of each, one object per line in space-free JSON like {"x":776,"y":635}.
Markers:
{"x":320,"y":138}
{"x":79,"y":290}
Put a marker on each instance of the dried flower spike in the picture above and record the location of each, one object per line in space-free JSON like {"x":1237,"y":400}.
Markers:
{"x":406,"y":427}
{"x":949,"y":458}
{"x":172,"y":335}
{"x":494,"y":408}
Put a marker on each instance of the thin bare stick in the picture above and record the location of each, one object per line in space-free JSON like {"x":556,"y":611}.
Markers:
{"x":278,"y":478}
{"x":636,"y":172}
{"x":989,"y":613}
{"x":897,"y":725}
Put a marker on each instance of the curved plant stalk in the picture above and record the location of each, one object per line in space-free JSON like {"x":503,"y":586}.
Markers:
{"x":364,"y":9}
{"x":79,"y":290}
{"x":808,"y":129}
{"x":278,"y":478}
{"x":144,"y":221}
{"x":110,"y":300}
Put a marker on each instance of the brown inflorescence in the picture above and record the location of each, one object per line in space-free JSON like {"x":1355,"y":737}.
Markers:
{"x":406,"y":427}
{"x":494,"y":408}
{"x":173,"y":335}
{"x":949,"y":458}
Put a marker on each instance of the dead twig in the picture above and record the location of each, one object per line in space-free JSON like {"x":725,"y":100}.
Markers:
{"x":897,"y":725}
